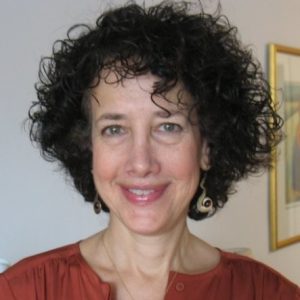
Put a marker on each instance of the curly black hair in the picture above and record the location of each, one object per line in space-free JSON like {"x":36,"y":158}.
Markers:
{"x":201,"y":51}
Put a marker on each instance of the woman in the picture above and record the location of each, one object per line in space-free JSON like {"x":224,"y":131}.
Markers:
{"x":155,"y":113}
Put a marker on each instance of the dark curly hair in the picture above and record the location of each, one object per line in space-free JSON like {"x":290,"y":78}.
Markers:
{"x":202,"y":51}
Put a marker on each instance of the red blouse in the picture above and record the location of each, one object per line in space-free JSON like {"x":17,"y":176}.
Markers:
{"x":63,"y":274}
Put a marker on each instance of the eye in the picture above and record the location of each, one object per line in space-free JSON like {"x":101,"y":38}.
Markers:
{"x":113,"y":130}
{"x":170,"y":127}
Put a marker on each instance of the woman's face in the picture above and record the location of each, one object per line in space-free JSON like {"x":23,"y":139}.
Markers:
{"x":146,"y":162}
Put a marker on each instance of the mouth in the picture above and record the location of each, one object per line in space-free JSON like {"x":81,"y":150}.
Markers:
{"x":144,"y":195}
{"x":141,"y":192}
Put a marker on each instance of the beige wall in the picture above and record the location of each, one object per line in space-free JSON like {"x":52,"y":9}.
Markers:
{"x":38,"y":210}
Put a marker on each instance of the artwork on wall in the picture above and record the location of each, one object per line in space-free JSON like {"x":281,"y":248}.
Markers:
{"x":284,"y":75}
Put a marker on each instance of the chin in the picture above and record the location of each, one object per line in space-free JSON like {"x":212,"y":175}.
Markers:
{"x":145,"y":225}
{"x":149,"y":226}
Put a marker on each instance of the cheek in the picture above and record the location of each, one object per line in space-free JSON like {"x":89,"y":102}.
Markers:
{"x":184,"y":163}
{"x":189,"y":177}
{"x":104,"y":164}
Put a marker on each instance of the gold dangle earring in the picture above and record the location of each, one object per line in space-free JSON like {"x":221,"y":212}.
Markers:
{"x":97,"y":205}
{"x":204,"y":203}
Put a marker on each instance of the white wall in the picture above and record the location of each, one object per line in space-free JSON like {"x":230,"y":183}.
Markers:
{"x":38,"y":210}
{"x":244,"y":221}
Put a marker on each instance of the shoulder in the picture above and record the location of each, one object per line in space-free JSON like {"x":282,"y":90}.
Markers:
{"x":65,"y":255}
{"x":247,"y":272}
{"x":239,"y":264}
{"x":61,"y":273}
{"x":29,"y":276}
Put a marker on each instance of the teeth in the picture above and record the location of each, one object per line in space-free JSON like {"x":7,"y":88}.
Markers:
{"x":139,"y":192}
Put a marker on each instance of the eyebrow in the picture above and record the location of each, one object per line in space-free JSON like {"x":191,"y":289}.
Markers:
{"x":118,"y":116}
{"x":111,"y":116}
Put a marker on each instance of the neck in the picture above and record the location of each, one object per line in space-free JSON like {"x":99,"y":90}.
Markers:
{"x":137,"y":265}
{"x":147,"y":255}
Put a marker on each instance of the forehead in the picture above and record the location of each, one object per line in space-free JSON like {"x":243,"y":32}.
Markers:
{"x":113,"y":86}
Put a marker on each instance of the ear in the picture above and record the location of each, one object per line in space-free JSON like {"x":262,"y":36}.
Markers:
{"x":204,"y":156}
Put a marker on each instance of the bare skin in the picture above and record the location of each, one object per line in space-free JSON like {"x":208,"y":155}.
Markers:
{"x":145,"y":262}
{"x":146,"y":166}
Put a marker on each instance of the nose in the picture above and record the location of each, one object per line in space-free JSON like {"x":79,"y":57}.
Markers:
{"x":142,"y":157}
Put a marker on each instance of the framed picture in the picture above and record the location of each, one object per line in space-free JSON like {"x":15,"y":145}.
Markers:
{"x":284,"y":73}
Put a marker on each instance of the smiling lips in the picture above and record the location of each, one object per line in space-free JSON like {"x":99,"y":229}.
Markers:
{"x":143,"y":195}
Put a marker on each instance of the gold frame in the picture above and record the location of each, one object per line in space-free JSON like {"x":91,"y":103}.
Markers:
{"x":276,"y":241}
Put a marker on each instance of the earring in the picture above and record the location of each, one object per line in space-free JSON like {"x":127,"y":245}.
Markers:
{"x":204,"y":203}
{"x":97,"y":205}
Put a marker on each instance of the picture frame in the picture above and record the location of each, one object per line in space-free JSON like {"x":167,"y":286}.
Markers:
{"x":284,"y":78}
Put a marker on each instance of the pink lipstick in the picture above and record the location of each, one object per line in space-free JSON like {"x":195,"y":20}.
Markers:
{"x":143,"y":195}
